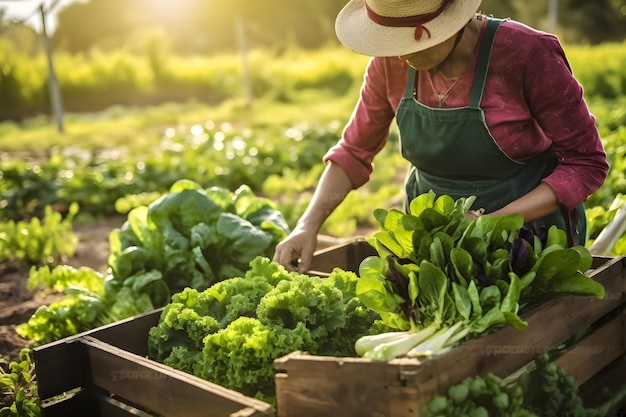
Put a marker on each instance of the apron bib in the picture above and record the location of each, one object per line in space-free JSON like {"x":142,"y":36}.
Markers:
{"x":452,"y":152}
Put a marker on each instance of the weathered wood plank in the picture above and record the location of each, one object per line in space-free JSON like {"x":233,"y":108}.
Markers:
{"x":111,"y":407}
{"x":347,"y":257}
{"x":58,"y":368}
{"x":130,"y":334}
{"x":74,"y":403}
{"x":612,"y":377}
{"x":590,"y":355}
{"x":161,"y":389}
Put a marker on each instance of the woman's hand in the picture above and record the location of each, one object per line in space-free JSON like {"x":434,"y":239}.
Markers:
{"x":474,"y":214}
{"x":301,"y":243}
{"x":295,"y":252}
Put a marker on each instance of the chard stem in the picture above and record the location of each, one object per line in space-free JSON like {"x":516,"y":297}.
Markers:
{"x":436,"y":342}
{"x":399,"y":346}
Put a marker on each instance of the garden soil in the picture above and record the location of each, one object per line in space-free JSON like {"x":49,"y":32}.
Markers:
{"x":18,"y":303}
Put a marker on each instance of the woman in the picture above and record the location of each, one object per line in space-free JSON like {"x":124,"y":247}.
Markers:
{"x":484,"y":107}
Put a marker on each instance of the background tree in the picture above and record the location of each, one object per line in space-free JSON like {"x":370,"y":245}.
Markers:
{"x":208,"y":26}
{"x":23,"y":37}
{"x":82,"y":26}
{"x":594,"y":22}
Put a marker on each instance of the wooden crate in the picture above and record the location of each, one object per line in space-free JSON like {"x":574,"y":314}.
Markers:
{"x":105,"y":373}
{"x":310,"y":385}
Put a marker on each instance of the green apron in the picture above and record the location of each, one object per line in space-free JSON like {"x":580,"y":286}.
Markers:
{"x":452,"y":152}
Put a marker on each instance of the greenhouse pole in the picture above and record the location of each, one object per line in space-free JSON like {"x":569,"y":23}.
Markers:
{"x":242,"y":45}
{"x":53,"y":85}
{"x":553,"y":6}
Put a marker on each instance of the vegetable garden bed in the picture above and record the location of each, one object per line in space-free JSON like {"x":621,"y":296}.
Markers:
{"x":106,"y":373}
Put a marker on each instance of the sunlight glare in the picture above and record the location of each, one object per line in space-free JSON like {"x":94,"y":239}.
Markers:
{"x":177,"y":11}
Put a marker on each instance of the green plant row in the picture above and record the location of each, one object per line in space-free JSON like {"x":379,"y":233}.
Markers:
{"x":38,"y":241}
{"x":208,"y":155}
{"x":189,"y":238}
{"x":99,"y":80}
{"x":123,"y":77}
{"x":283,"y":166}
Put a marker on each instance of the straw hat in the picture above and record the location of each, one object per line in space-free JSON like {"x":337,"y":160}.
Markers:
{"x":400,"y":27}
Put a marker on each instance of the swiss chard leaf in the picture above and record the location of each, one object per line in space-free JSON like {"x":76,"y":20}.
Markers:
{"x":511,"y":299}
{"x":422,"y":202}
{"x":575,"y":283}
{"x":474,"y":297}
{"x":492,"y":318}
{"x":462,"y":300}
{"x":559,"y":271}
{"x":437,"y":254}
{"x":462,"y":265}
{"x":433,"y":285}
{"x":371,"y":287}
{"x":490,"y":296}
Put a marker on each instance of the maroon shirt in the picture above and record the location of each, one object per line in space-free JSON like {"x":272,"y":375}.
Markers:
{"x":531,"y":101}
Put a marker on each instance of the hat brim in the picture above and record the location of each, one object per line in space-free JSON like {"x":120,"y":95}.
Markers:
{"x":357,"y":32}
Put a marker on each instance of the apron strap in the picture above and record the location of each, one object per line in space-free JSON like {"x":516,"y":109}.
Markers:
{"x":409,"y":89}
{"x":480,"y":76}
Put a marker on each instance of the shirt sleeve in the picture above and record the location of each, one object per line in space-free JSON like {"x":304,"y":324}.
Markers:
{"x":556,"y":101}
{"x":367,"y":131}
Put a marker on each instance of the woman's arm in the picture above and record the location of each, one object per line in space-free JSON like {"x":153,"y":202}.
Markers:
{"x":556,"y":100}
{"x":538,"y":203}
{"x":349,"y":163}
{"x":301,"y":243}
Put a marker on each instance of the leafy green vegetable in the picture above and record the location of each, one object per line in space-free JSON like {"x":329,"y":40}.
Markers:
{"x":544,"y":390}
{"x":443,"y":278}
{"x":194,"y":237}
{"x":78,"y":311}
{"x":486,"y":395}
{"x":550,"y":392}
{"x":189,"y":237}
{"x":39,"y":241}
{"x":18,"y":387}
{"x":232,"y":332}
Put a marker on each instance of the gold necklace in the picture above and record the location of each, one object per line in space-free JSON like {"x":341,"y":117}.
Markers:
{"x":442,"y":96}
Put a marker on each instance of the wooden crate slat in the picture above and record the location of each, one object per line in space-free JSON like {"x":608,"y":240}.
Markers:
{"x":161,"y":389}
{"x":58,"y":367}
{"x":347,"y":256}
{"x":130,"y":334}
{"x":73,"y":403}
{"x":612,"y":377}
{"x":402,"y":401}
{"x":353,"y":398}
{"x":249,"y":412}
{"x":111,"y":407}
{"x":599,"y":261}
{"x":87,"y":403}
{"x":317,"y":366}
{"x":589,"y":356}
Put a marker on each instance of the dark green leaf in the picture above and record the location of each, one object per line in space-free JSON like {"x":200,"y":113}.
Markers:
{"x":462,"y":301}
{"x":462,"y":265}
